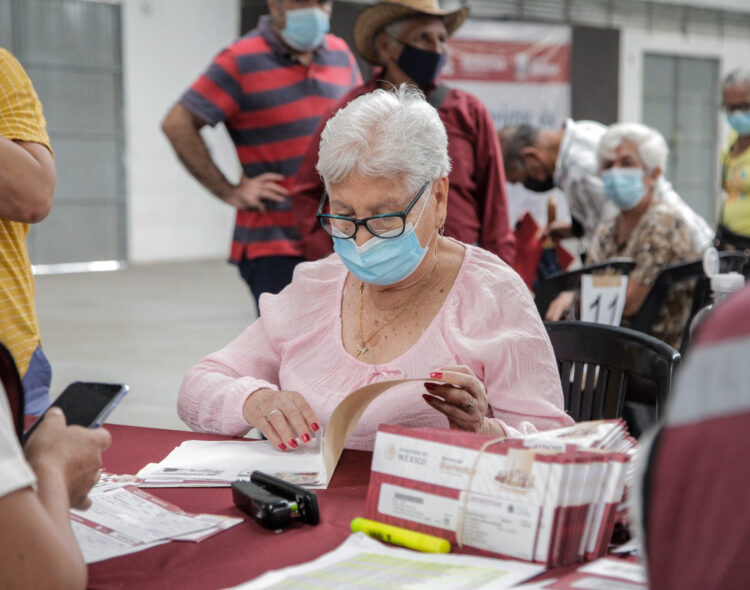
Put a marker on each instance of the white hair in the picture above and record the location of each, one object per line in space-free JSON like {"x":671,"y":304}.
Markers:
{"x":651,"y":146}
{"x":738,"y":77}
{"x":392,"y":134}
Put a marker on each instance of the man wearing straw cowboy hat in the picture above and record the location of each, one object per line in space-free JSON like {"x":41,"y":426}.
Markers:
{"x":406,"y":41}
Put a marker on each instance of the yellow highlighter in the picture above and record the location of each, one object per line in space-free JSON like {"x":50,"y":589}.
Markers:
{"x":399,"y":536}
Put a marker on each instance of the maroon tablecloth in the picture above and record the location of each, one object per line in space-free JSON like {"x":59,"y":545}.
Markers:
{"x":235,"y":555}
{"x":242,"y":552}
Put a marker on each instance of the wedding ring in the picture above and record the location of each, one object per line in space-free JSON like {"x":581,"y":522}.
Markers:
{"x":271,"y":413}
{"x":470,"y":405}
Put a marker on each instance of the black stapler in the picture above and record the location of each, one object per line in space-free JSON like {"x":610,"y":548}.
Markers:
{"x":274,"y":502}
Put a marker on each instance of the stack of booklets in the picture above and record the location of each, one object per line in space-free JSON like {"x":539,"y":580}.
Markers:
{"x":549,"y":498}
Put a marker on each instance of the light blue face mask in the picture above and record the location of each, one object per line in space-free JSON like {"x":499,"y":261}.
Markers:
{"x":624,"y":186}
{"x":383,"y":261}
{"x":305,"y":28}
{"x":740,"y":121}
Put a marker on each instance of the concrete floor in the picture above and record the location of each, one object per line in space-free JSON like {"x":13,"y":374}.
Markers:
{"x":144,"y":326}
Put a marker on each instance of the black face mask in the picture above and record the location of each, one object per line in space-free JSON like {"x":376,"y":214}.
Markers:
{"x":539,"y":186}
{"x":420,"y":65}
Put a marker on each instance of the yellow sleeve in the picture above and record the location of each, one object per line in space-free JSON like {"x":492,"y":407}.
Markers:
{"x":21,"y":116}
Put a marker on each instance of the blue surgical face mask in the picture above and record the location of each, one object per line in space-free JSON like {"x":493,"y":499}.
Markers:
{"x":624,"y":186}
{"x":305,"y":28}
{"x":740,"y":121}
{"x":383,"y":261}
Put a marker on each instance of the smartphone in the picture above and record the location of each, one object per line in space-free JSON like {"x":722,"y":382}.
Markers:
{"x":86,"y":404}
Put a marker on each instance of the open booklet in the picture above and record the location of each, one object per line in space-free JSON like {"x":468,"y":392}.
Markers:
{"x":218,"y":463}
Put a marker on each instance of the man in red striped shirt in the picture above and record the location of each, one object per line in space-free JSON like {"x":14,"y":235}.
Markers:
{"x":270,"y":89}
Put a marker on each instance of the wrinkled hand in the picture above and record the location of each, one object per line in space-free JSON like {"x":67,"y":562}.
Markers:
{"x":251,"y":193}
{"x":560,"y":306}
{"x":559,"y":230}
{"x":74,"y":451}
{"x":464,"y":402}
{"x":282,"y":417}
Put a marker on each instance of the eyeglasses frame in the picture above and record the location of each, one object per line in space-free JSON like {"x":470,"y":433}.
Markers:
{"x":363,"y":222}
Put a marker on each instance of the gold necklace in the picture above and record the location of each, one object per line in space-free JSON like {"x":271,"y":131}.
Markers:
{"x":362,"y":347}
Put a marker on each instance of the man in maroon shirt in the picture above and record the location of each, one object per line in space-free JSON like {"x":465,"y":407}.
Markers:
{"x":406,"y":40}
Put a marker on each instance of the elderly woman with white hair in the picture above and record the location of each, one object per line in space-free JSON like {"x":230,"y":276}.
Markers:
{"x":397,"y":299}
{"x":632,"y":158}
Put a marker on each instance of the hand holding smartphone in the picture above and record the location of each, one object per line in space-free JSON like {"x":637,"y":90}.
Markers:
{"x":86,"y":404}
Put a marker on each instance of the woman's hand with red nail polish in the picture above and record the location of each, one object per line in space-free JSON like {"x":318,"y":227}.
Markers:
{"x":282,"y":416}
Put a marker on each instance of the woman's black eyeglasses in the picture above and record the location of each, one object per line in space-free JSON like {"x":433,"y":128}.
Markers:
{"x":385,"y":225}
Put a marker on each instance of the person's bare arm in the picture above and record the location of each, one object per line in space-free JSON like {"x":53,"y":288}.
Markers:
{"x":27,"y":180}
{"x":37,"y":547}
{"x":182,"y":128}
{"x":35,"y":552}
{"x":634,"y":298}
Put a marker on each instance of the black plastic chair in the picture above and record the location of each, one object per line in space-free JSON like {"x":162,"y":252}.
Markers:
{"x":702,"y":296}
{"x":570,"y":280}
{"x":13,"y":388}
{"x":596,"y":363}
{"x":679,"y":273}
{"x":728,"y":240}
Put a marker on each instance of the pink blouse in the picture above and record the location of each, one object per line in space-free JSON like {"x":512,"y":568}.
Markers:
{"x":487,"y":322}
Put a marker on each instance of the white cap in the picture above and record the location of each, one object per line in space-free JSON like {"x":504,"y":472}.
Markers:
{"x":727,"y":283}
{"x":711,"y":262}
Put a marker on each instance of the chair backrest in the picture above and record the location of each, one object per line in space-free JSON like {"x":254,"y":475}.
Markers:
{"x":596,"y":361}
{"x":680,"y":273}
{"x":570,"y":280}
{"x":730,"y":261}
{"x":13,"y":388}
{"x":728,"y":240}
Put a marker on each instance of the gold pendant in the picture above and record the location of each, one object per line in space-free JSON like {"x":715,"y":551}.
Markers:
{"x":362,"y":348}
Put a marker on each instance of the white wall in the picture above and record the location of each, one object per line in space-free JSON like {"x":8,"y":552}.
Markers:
{"x":731,"y":52}
{"x":739,"y":5}
{"x":634,"y":43}
{"x":166,"y":45}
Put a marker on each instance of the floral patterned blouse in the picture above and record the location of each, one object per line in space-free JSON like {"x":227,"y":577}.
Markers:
{"x":662,"y":237}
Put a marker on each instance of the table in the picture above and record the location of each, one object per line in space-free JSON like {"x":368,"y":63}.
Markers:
{"x":235,"y":555}
{"x":238,"y":554}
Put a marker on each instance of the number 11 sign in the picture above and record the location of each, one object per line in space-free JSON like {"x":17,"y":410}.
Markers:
{"x":603,"y":298}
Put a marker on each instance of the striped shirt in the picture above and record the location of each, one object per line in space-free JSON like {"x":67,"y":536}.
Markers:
{"x":271,"y":106}
{"x":21,"y":119}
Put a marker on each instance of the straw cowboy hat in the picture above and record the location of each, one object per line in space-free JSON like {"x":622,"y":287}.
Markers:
{"x":375,"y":17}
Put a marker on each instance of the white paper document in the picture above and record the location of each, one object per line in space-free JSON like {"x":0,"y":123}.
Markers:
{"x":616,"y":568}
{"x":603,"y":298}
{"x":198,"y":463}
{"x":124,"y":519}
{"x":363,"y":563}
{"x":202,"y":463}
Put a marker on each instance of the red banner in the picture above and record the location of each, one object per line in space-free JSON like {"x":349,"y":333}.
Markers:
{"x":507,"y":61}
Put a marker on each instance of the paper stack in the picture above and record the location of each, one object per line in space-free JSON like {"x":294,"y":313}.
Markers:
{"x":198,"y":463}
{"x":551,"y":498}
{"x":123,"y":519}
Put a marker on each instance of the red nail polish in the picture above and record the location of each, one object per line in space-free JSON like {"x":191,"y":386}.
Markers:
{"x":430,"y":386}
{"x":305,"y":437}
{"x":282,"y":446}
{"x":436,"y":375}
{"x":315,"y":426}
{"x":292,"y":443}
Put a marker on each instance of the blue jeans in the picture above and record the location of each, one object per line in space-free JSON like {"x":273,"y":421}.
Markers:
{"x":269,"y":274}
{"x":36,"y":383}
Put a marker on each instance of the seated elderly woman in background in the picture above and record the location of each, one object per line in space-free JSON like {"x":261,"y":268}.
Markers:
{"x":396,"y":300}
{"x":632,"y":158}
